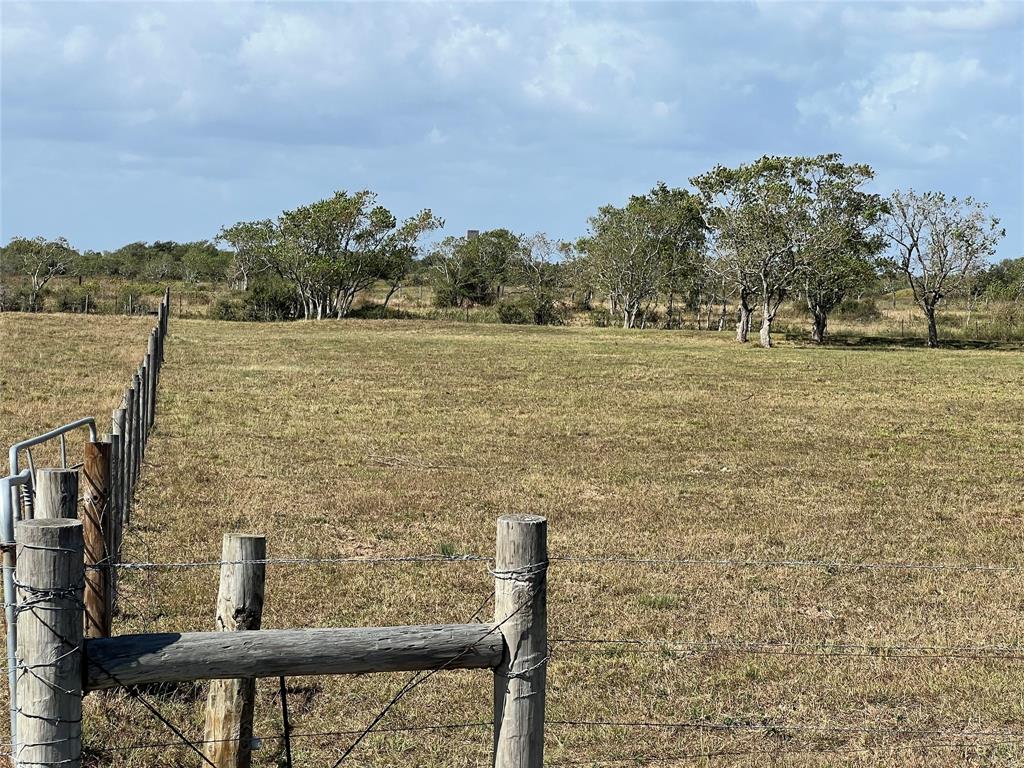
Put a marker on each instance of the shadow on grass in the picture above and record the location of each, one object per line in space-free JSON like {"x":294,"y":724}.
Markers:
{"x":855,"y":341}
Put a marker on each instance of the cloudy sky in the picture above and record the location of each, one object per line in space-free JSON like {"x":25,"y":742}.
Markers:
{"x":147,"y":121}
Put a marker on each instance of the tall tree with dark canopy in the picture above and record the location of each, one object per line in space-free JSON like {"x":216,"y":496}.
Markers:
{"x":844,"y":242}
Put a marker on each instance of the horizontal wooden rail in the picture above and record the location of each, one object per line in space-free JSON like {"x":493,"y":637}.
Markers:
{"x":169,"y":657}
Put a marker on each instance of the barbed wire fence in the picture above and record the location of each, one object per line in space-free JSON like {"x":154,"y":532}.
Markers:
{"x":950,"y":736}
{"x":141,"y":606}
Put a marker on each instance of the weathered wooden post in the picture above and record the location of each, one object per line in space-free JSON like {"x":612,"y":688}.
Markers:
{"x":152,"y":366}
{"x":114,"y":529}
{"x":49,"y":650}
{"x":119,"y":440}
{"x":96,"y":535}
{"x":56,"y":493}
{"x":139,"y":434}
{"x":144,"y":403}
{"x":520,"y":612}
{"x":229,"y":705}
{"x":129,"y":452}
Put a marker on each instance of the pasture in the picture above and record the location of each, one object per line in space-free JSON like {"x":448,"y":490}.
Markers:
{"x":393,"y":438}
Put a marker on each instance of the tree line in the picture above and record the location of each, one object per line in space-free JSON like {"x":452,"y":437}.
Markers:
{"x":744,"y":239}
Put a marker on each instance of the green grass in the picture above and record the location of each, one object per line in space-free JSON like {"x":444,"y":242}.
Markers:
{"x":408,"y":437}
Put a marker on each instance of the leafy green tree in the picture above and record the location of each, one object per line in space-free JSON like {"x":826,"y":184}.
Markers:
{"x":938,"y":243}
{"x":474,"y":269}
{"x":39,"y":260}
{"x":642,"y":249}
{"x":251,"y":243}
{"x":840,"y":254}
{"x":330,"y":250}
{"x":781,"y":223}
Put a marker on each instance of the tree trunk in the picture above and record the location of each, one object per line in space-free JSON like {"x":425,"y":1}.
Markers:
{"x":819,"y":326}
{"x":743,"y":325}
{"x":394,"y":289}
{"x":933,"y":331}
{"x":766,"y":330}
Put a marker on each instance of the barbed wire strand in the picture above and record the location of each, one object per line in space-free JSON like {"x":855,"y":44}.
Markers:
{"x":534,"y":573}
{"x":415,"y":680}
{"x":782,"y":727}
{"x":819,"y":564}
{"x":841,"y":650}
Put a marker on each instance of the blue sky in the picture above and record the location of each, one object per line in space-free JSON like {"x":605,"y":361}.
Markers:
{"x":147,"y":121}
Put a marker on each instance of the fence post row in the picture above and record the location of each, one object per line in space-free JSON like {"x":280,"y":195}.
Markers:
{"x":51,"y":577}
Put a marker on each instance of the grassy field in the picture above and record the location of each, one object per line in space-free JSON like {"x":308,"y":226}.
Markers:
{"x":396,"y":438}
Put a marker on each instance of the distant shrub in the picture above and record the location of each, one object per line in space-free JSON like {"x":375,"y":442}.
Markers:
{"x":14,"y":298}
{"x":374,"y":311}
{"x":513,"y":313}
{"x":230,"y":307}
{"x":270,"y":298}
{"x":531,"y":310}
{"x":72,"y":298}
{"x":858,"y":309}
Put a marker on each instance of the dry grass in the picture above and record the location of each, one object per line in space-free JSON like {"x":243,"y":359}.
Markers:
{"x":360,"y":438}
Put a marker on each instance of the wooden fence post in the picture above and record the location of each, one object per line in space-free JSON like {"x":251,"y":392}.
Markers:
{"x":114,"y":519}
{"x":152,"y":365}
{"x":144,"y":403}
{"x":129,"y":452}
{"x":49,"y":578}
{"x":229,"y":706}
{"x":119,"y":441}
{"x":96,"y":534}
{"x":139,"y":434}
{"x":520,"y":612}
{"x":56,"y":493}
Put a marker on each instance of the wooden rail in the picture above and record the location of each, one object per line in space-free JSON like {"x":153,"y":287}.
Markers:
{"x":170,"y":657}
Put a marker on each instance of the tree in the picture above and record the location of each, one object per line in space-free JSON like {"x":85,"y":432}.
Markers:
{"x":474,"y":269}
{"x":539,"y":270}
{"x":761,"y":214}
{"x":40,"y":260}
{"x":781,"y":223}
{"x":330,"y":250}
{"x":252,"y":242}
{"x":938,"y":244}
{"x":841,"y":250}
{"x":646,"y":247}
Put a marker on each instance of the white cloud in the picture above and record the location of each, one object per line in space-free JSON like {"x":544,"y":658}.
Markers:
{"x":913,"y":103}
{"x":924,"y":17}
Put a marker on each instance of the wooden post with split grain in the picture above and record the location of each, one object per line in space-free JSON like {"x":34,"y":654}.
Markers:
{"x":96,"y":535}
{"x":230,"y":703}
{"x":520,"y":614}
{"x":56,"y":493}
{"x":49,"y":575}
